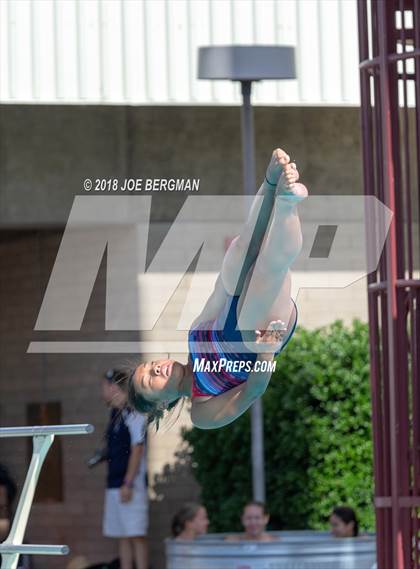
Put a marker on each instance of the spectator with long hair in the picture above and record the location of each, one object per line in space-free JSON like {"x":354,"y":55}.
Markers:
{"x":190,"y":522}
{"x":343,"y":522}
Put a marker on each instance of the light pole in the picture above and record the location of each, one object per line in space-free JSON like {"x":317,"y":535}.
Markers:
{"x":246,"y":64}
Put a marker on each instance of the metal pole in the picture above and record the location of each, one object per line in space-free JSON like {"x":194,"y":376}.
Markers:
{"x":41,"y":446}
{"x":41,"y":430}
{"x":257,"y":444}
{"x":391,"y":300}
{"x":247,"y":122}
{"x":257,"y":424}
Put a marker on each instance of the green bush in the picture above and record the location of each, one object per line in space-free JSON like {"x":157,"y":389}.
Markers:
{"x":317,"y":425}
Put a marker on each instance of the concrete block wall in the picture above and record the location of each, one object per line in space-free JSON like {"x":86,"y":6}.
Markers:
{"x":47,"y":151}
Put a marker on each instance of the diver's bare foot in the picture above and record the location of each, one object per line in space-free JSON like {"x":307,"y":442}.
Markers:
{"x":288,"y":189}
{"x":278,"y":161}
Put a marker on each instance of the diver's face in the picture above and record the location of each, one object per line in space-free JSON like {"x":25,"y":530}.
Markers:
{"x":152,"y":379}
{"x":254,"y":521}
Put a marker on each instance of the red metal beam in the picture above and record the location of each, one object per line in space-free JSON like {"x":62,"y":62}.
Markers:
{"x":391,"y":277}
{"x":393,"y":290}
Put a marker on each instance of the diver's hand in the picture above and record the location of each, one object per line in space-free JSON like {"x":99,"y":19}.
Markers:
{"x":273,"y":335}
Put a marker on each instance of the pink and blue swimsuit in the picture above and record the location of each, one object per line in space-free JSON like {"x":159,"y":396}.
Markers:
{"x":223,"y":340}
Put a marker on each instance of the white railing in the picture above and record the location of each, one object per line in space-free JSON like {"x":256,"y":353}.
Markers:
{"x":43,"y":437}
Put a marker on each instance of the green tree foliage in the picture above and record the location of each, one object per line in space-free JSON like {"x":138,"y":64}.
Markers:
{"x":318,"y":447}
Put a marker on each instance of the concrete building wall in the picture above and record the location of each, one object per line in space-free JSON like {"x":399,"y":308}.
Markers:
{"x":47,"y":151}
{"x":45,"y":154}
{"x":146,"y":51}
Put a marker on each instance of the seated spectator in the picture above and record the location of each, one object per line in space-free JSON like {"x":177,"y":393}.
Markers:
{"x":343,"y":522}
{"x":190,"y":522}
{"x":254,"y":520}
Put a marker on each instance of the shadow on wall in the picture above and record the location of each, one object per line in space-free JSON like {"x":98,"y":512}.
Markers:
{"x":170,"y":488}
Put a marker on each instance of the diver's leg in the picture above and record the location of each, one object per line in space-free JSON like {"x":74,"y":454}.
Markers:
{"x":267,"y":296}
{"x":239,"y":251}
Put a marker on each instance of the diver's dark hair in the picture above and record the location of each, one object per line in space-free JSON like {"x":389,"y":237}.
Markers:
{"x":155,"y":410}
{"x":184,"y":515}
{"x":347,"y":515}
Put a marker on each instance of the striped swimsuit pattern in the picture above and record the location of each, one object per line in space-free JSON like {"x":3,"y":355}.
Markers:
{"x":221,"y":337}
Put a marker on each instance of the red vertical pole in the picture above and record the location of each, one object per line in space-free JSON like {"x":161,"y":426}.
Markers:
{"x":394,"y":293}
{"x":391,"y":258}
{"x":373,"y":295}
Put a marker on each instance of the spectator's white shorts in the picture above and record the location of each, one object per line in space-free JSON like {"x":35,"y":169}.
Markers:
{"x":125,"y":519}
